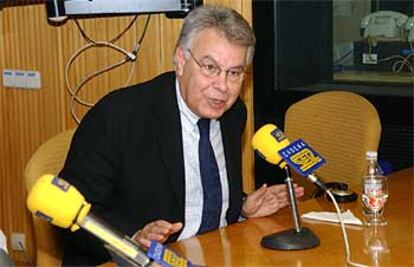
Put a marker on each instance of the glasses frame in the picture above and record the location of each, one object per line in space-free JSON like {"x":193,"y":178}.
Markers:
{"x":214,"y":74}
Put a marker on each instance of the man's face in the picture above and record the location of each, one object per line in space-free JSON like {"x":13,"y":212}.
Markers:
{"x":206,"y":96}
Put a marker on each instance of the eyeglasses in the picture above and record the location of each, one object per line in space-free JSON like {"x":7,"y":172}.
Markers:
{"x":211,"y":70}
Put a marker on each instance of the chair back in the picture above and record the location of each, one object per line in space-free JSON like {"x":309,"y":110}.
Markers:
{"x":48,"y":159}
{"x":341,"y":126}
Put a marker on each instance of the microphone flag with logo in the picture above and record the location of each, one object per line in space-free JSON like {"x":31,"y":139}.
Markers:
{"x":301,"y":157}
{"x":271,"y":144}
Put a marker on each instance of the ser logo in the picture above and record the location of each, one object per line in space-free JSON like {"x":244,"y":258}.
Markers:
{"x":301,"y":157}
{"x":305,"y":158}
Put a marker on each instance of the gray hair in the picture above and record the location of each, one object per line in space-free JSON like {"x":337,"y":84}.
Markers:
{"x":224,"y":20}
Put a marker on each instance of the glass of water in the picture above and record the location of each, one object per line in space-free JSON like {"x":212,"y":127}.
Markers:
{"x":374,"y":197}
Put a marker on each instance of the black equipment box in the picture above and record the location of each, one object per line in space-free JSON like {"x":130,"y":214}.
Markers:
{"x":383,"y":49}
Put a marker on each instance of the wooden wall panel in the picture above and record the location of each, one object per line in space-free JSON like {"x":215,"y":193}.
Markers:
{"x":30,"y":117}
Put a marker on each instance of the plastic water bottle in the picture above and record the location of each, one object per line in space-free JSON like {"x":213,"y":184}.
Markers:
{"x":374,"y":191}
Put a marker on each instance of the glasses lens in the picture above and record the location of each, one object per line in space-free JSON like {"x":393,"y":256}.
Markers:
{"x":210,"y":70}
{"x":235,"y":75}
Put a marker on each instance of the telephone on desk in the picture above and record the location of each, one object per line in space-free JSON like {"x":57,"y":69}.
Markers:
{"x":409,"y":27}
{"x":386,"y":24}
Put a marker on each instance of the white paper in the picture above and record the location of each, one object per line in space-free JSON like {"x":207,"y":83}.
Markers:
{"x":3,"y":241}
{"x":348,"y":217}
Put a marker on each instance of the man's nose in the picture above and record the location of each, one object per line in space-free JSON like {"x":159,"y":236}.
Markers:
{"x":221,"y":81}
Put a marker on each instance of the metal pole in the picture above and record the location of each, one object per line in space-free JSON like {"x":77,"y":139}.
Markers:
{"x":292,"y":199}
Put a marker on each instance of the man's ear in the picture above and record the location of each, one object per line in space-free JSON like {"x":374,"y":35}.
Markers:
{"x":179,"y":59}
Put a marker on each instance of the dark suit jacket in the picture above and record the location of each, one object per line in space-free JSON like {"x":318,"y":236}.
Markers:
{"x":126,"y":158}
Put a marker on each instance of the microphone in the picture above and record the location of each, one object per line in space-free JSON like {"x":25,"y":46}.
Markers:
{"x":58,"y":202}
{"x":272,"y":145}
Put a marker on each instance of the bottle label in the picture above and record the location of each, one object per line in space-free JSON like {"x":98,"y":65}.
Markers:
{"x":373,"y":196}
{"x":372,"y":188}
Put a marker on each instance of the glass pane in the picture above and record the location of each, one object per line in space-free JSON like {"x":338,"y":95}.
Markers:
{"x":373,"y":41}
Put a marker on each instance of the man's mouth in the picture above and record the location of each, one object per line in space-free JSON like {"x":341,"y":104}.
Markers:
{"x":217,"y":102}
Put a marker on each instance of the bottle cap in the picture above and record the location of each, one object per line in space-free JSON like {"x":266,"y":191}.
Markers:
{"x":372,"y":154}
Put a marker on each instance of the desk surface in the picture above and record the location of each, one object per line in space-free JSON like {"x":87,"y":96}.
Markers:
{"x":374,"y":76}
{"x":239,"y":244}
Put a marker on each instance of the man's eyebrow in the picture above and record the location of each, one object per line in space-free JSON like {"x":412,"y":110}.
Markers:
{"x":209,"y":57}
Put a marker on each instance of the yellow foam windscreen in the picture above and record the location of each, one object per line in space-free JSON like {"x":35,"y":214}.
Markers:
{"x":56,"y":201}
{"x":267,"y":142}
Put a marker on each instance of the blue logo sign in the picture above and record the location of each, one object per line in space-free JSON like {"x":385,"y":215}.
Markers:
{"x":165,"y":257}
{"x":301,"y":157}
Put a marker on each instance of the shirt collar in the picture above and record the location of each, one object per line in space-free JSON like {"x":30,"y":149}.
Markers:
{"x":184,"y":109}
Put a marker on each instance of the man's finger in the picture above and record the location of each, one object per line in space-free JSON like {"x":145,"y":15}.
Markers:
{"x":259,"y":193}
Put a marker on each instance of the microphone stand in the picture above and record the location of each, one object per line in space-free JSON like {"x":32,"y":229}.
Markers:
{"x":291,"y":239}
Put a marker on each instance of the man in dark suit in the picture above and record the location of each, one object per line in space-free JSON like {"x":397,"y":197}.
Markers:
{"x":135,"y":155}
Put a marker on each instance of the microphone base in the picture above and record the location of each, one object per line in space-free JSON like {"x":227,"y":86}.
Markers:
{"x":291,"y":240}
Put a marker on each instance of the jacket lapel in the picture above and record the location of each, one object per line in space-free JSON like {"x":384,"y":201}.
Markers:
{"x":230,"y":151}
{"x":170,"y":139}
{"x":231,"y":142}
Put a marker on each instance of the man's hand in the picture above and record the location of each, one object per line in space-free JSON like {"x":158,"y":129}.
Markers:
{"x":268,"y":200}
{"x":158,"y":230}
